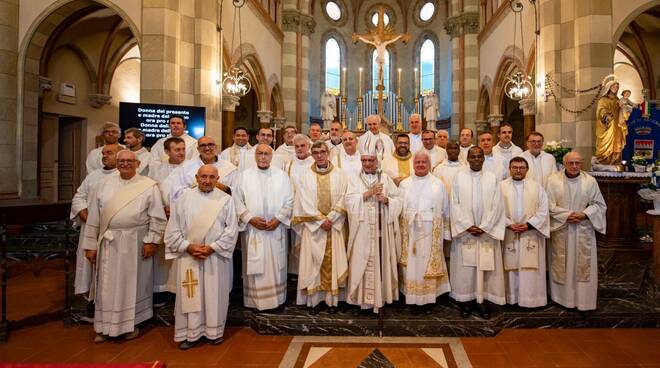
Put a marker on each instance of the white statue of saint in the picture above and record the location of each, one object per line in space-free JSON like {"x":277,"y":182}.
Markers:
{"x":328,"y":108}
{"x":431,"y":109}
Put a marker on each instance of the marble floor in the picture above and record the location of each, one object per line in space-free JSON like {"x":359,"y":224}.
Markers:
{"x":51,"y":342}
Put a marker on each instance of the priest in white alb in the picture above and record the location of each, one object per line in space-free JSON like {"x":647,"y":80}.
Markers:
{"x":541,"y":164}
{"x":373,"y":205}
{"x":477,"y":227}
{"x":415,"y":126}
{"x":286,"y":150}
{"x":200,"y":238}
{"x":447,"y":170}
{"x":347,"y":157}
{"x":436,"y":153}
{"x":237,"y":151}
{"x":264,"y":136}
{"x":264,"y":204}
{"x":319,"y":220}
{"x":79,"y":213}
{"x":125,"y":225}
{"x":577,"y":211}
{"x":527,"y":228}
{"x":299,"y":165}
{"x":493,"y":162}
{"x":424,"y":274}
{"x":368,"y":140}
{"x":177,"y":125}
{"x":465,"y":138}
{"x":183,"y":177}
{"x":505,"y":147}
{"x":399,"y":164}
{"x":110,"y":133}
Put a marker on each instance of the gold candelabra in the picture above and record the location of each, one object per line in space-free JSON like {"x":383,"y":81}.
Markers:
{"x":343,"y":111}
{"x":399,"y":115}
{"x":358,"y":125}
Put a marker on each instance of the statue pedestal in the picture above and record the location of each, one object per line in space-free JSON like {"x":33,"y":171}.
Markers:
{"x":623,"y":205}
{"x":326,"y":124}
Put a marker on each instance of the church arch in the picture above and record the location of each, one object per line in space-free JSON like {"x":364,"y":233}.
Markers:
{"x":331,"y":34}
{"x":34,"y":49}
{"x":509,"y":64}
{"x":419,"y":43}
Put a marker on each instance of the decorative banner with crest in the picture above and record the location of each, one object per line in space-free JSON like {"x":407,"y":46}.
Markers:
{"x":643,"y":134}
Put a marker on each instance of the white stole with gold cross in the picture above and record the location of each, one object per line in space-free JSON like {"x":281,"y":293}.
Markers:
{"x":190,"y":297}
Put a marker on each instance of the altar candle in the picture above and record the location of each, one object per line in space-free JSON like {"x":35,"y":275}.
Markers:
{"x":416,"y":84}
{"x":398,"y":92}
{"x":360,"y":83}
{"x":343,"y":82}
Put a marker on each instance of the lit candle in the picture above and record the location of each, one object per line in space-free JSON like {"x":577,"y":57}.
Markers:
{"x":398,"y":92}
{"x":416,"y":84}
{"x":360,"y":84}
{"x":343,"y":82}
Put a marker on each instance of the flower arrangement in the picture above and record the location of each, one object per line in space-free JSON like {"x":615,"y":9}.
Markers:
{"x":557,"y":149}
{"x":638,"y":160}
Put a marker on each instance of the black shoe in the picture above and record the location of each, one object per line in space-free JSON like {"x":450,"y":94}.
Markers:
{"x":427,"y":309}
{"x":484,"y":310}
{"x":584,"y":314}
{"x":217,"y":341}
{"x":315,"y":310}
{"x":276,"y":310}
{"x":332,"y":310}
{"x":185,"y":345}
{"x":466,"y":310}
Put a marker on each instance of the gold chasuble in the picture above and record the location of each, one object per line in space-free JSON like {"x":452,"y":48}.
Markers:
{"x":403,"y":164}
{"x":324,"y":200}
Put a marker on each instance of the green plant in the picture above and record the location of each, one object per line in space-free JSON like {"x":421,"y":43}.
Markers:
{"x":556,"y":149}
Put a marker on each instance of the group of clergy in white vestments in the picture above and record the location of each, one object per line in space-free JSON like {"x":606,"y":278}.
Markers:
{"x":356,"y":220}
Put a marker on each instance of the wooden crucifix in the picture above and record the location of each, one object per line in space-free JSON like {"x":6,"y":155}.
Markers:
{"x":380,"y":37}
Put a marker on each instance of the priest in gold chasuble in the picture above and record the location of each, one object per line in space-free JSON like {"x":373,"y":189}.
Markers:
{"x":319,"y":219}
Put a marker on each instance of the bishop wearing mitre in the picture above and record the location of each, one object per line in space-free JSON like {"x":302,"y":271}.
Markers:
{"x":423,"y":231}
{"x":264,"y":202}
{"x":319,"y":220}
{"x":200,"y":237}
{"x":373,"y":205}
{"x":477,"y":227}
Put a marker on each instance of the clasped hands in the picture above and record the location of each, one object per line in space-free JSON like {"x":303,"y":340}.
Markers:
{"x":199,"y":251}
{"x":474,"y":230}
{"x":518,"y":228}
{"x":376,"y":191}
{"x":262,"y":224}
{"x":576,"y":217}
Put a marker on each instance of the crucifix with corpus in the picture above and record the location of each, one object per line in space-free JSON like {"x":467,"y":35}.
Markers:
{"x":380,"y":37}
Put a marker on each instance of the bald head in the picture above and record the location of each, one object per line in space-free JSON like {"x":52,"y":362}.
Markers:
{"x":442,"y":136}
{"x":415,"y":123}
{"x":573,"y":164}
{"x":421,"y":163}
{"x":207,"y":178}
{"x":263,"y":154}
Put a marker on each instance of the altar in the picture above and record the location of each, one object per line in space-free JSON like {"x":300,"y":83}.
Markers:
{"x":623,"y":204}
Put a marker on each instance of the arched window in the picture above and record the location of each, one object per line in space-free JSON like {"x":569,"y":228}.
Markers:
{"x":427,"y":67}
{"x":332,"y":66}
{"x":386,"y":72}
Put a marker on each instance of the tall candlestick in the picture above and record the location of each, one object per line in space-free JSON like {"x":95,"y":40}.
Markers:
{"x":416,"y":88}
{"x":360,"y":83}
{"x":343,"y":82}
{"x":398,"y":89}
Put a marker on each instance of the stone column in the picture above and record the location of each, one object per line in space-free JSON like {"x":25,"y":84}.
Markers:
{"x":8,"y":89}
{"x":229,"y":104}
{"x":462,"y":26}
{"x":264,"y":118}
{"x":528,"y":106}
{"x":297,"y":25}
{"x":159,"y":51}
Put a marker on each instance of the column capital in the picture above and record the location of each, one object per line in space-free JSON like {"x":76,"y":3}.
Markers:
{"x":98,"y":100}
{"x":278,"y":122}
{"x":264,"y":116}
{"x":230,"y":102}
{"x":528,"y":106}
{"x":462,"y":24}
{"x":495,"y":119}
{"x":481,"y":125}
{"x":295,"y":21}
